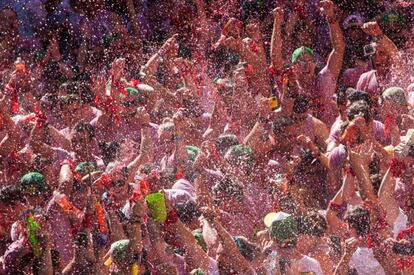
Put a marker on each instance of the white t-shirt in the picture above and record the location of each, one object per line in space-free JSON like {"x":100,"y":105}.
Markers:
{"x":400,"y":224}
{"x":308,"y":264}
{"x":364,"y":262}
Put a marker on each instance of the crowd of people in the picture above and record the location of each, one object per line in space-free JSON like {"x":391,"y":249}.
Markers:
{"x":207,"y":137}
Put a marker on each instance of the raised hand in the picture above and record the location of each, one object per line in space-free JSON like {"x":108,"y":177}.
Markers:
{"x":327,"y":8}
{"x":143,"y":116}
{"x":170,"y":47}
{"x":278,"y":14}
{"x":372,"y":28}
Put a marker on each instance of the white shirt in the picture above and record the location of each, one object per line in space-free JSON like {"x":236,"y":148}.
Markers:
{"x":364,"y":262}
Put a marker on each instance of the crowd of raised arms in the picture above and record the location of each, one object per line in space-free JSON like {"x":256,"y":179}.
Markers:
{"x":207,"y":137}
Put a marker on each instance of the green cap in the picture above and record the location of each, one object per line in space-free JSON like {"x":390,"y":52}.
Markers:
{"x":393,"y":17}
{"x":243,"y":152}
{"x":395,"y":95}
{"x":197,"y":271}
{"x":119,"y":249}
{"x":282,"y":226}
{"x":301,"y":51}
{"x":84,"y":168}
{"x":192,"y":152}
{"x":33,"y":183}
{"x":200,"y":240}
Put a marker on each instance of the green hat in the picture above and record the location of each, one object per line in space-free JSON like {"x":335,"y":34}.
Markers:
{"x":197,"y":271}
{"x":200,"y":240}
{"x":282,"y":226}
{"x":192,"y":152}
{"x":395,"y":95}
{"x":393,"y":17}
{"x":33,"y":183}
{"x":242,"y":151}
{"x":84,"y":168}
{"x":301,"y":51}
{"x":119,"y":249}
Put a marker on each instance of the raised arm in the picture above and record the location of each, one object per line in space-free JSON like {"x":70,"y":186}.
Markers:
{"x":9,"y":143}
{"x":335,"y":59}
{"x":195,"y":256}
{"x":230,"y":248}
{"x":373,"y":29}
{"x":146,"y":151}
{"x":335,"y":224}
{"x":386,"y":196}
{"x":359,"y":162}
{"x":276,"y":46}
{"x":151,"y":67}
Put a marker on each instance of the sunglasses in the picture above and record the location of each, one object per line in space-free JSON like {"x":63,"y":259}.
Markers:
{"x":303,"y":63}
{"x":132,"y":103}
{"x":117,"y":183}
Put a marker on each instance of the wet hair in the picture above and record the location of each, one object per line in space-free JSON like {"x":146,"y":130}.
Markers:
{"x":68,"y":100}
{"x":312,"y":224}
{"x":81,"y":239}
{"x":357,"y":95}
{"x":281,"y":123}
{"x":109,"y":150}
{"x":246,"y":248}
{"x":80,"y":89}
{"x":83,"y":126}
{"x":230,"y":188}
{"x":376,"y":180}
{"x":341,"y":96}
{"x":166,"y":269}
{"x":359,"y":219}
{"x":9,"y":195}
{"x":225,"y":141}
{"x":49,"y":100}
{"x":307,"y":159}
{"x":359,"y":109}
{"x":301,"y":104}
{"x":187,"y":211}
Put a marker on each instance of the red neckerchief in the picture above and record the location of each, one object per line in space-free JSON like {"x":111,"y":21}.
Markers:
{"x":180,"y":174}
{"x":104,"y":180}
{"x":405,"y":233}
{"x":109,"y":107}
{"x":404,"y":263}
{"x":100,"y":218}
{"x":389,"y":119}
{"x":254,"y":47}
{"x":118,"y":86}
{"x":370,"y":241}
{"x":12,"y":91}
{"x":172,"y":218}
{"x":336,"y":207}
{"x":397,"y":167}
{"x":41,"y":119}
